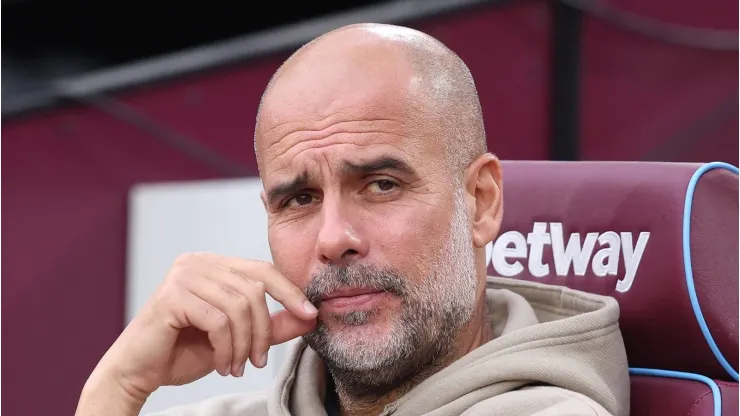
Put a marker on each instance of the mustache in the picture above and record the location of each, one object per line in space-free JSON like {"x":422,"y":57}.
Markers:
{"x":331,"y":278}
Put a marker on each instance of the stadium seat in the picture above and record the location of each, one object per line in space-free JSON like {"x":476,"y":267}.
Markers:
{"x":661,"y":238}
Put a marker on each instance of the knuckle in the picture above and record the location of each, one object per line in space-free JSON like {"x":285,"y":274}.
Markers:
{"x":177,"y":275}
{"x":267,"y":334}
{"x":240,"y":302}
{"x":182,"y":267}
{"x":181,"y":277}
{"x":258,"y":286}
{"x":166,"y":296}
{"x":221,"y":322}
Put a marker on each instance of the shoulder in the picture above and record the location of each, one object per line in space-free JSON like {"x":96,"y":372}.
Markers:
{"x":253,"y":404}
{"x":541,"y":401}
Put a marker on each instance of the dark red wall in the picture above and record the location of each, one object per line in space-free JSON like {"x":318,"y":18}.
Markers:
{"x":66,"y":172}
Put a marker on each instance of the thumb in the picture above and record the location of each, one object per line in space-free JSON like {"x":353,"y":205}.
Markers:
{"x":286,"y":326}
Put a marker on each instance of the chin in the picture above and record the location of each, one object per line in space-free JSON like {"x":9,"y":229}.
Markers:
{"x":360,"y":327}
{"x":359,"y":342}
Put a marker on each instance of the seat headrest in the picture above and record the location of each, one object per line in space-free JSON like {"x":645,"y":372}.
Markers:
{"x":661,"y":238}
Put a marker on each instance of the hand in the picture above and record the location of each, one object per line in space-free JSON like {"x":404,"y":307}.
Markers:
{"x":209,"y":313}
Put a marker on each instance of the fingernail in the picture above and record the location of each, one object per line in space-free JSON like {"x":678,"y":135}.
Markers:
{"x":240,"y":372}
{"x":263,"y":360}
{"x":308,"y":307}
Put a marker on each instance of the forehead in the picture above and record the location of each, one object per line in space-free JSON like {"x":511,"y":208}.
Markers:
{"x":324,"y":83}
{"x":340,"y":112}
{"x":349,"y":136}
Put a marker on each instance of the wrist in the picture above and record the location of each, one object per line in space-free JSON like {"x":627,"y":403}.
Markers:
{"x":103,"y":393}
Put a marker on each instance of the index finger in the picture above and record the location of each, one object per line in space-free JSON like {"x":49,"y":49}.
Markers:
{"x":277,"y":285}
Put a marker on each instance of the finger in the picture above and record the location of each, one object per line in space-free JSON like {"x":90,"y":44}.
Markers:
{"x":277,"y":285}
{"x":286,"y":326}
{"x":215,"y":323}
{"x":261,"y":325}
{"x":235,"y":305}
{"x":254,"y":291}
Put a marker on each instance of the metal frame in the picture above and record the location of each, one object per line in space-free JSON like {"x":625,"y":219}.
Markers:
{"x":223,"y":53}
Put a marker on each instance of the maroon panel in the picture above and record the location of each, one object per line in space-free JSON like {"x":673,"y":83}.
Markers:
{"x":64,"y":224}
{"x":710,"y":14}
{"x":658,"y":323}
{"x":217,"y":109}
{"x":643,"y":99}
{"x":671,"y":396}
{"x":714,"y":256}
{"x":507,"y":51}
{"x":651,"y":396}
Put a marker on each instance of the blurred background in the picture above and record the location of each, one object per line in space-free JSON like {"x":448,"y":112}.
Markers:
{"x":114,"y":113}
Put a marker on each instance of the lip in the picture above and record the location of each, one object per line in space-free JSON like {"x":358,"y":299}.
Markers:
{"x":350,"y":292}
{"x":351,"y":299}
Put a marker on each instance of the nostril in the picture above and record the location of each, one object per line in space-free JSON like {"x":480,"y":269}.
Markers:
{"x":351,"y":252}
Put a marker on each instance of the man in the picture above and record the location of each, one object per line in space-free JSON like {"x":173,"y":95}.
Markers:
{"x":381,"y":197}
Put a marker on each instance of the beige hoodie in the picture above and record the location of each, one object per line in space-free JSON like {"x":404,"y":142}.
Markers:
{"x":555,"y":352}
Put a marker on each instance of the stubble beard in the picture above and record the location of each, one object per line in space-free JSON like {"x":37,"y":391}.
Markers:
{"x":366,"y":364}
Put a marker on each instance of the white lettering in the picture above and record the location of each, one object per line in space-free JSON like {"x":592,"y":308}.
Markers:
{"x":577,"y":253}
{"x":502,"y":252}
{"x":632,"y":257}
{"x":610,"y":254}
{"x":537,"y":240}
{"x":573,"y":253}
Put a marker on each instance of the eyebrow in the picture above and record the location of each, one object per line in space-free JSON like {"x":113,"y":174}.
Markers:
{"x":287,"y":188}
{"x":382,"y":163}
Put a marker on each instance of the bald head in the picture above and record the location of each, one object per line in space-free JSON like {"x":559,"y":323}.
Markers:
{"x":435,"y":84}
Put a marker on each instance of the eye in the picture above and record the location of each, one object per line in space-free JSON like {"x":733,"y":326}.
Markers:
{"x":381,"y":186}
{"x":299,"y":201}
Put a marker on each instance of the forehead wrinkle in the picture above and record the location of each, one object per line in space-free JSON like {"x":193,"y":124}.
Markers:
{"x":294,"y":151}
{"x":370,"y":98}
{"x":288,"y":121}
{"x":329,"y":135}
{"x":361,"y":127}
{"x":403,"y":154}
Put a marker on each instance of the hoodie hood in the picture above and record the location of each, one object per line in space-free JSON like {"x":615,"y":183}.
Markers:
{"x":542,"y":336}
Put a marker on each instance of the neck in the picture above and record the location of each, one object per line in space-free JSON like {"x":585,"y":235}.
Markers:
{"x":355,"y":399}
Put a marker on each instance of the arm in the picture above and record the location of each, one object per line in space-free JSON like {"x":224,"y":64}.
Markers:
{"x":210,"y":313}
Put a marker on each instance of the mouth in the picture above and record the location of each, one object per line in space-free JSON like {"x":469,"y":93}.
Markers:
{"x":347,"y":300}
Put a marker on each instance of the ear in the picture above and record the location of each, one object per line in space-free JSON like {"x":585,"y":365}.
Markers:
{"x":483,"y":181}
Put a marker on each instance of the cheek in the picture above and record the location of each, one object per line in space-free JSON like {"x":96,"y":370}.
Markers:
{"x":292,"y":252}
{"x":409,"y":240}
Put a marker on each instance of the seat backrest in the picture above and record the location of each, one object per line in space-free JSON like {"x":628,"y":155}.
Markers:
{"x":659,"y":237}
{"x":651,"y":395}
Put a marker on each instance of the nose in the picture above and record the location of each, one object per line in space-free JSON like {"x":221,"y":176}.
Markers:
{"x":339,"y":242}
